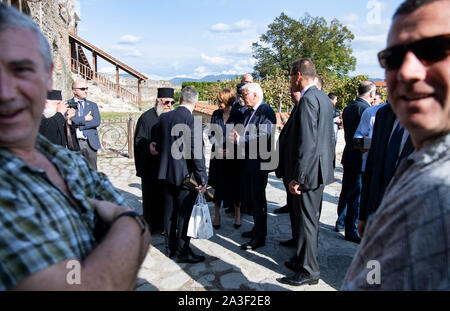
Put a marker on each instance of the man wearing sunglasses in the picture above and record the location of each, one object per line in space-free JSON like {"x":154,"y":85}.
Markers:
{"x":147,"y":164}
{"x":86,"y":120}
{"x":407,"y":240}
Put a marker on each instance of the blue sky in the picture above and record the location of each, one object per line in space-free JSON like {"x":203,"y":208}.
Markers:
{"x":175,"y":38}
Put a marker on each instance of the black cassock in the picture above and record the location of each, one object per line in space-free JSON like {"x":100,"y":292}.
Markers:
{"x":147,"y":168}
{"x":59,"y":132}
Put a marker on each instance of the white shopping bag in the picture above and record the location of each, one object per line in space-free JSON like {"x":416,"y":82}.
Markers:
{"x":200,"y":226}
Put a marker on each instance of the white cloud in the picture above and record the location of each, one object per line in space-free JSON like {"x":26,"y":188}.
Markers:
{"x":215,"y":60}
{"x":108,"y":70}
{"x":127,"y":51}
{"x":129,"y":39}
{"x":239,"y":26}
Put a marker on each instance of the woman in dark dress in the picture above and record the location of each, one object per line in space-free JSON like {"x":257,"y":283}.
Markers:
{"x":221,"y":169}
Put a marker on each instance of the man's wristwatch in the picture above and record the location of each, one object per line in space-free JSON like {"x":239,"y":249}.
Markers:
{"x":139,"y":219}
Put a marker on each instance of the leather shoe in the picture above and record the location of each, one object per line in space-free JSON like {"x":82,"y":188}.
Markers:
{"x":282,"y":210}
{"x":190,"y":257}
{"x":247,"y":234}
{"x":356,"y":240}
{"x":298,"y":279}
{"x":252,"y":245}
{"x":288,"y":243}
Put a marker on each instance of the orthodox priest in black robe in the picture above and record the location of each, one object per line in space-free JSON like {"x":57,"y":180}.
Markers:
{"x":153,"y":203}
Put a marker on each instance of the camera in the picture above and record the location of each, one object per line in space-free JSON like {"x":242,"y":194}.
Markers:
{"x":73,"y":105}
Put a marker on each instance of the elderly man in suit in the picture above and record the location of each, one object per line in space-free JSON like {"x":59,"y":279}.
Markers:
{"x":147,"y":164}
{"x":174,"y":166}
{"x":307,"y":159}
{"x":86,"y":121}
{"x":259,"y":120}
{"x":348,"y":206}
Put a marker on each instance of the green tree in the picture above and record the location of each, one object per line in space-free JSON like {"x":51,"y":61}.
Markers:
{"x":328,"y":46}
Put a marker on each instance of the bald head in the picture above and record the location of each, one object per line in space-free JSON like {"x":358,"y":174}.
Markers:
{"x":247,"y":78}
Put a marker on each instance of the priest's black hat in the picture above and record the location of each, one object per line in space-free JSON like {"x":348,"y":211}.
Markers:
{"x":165,"y":92}
{"x":54,"y":95}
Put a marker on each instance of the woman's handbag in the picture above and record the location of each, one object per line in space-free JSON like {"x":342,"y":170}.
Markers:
{"x":200,"y":225}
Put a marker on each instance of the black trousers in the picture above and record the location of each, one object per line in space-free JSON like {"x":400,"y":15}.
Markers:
{"x":153,"y":202}
{"x":179,"y":204}
{"x":255,"y":193}
{"x":89,"y":153}
{"x":289,"y":203}
{"x":306,"y":213}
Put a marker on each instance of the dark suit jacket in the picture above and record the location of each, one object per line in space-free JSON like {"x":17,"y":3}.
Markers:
{"x":146,"y":163}
{"x":373,"y":187}
{"x":352,"y":158}
{"x":89,"y":127}
{"x":307,"y":147}
{"x":54,"y":129}
{"x":263,"y":120}
{"x":171,"y":169}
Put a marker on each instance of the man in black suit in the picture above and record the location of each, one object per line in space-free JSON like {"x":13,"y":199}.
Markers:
{"x":54,"y":125}
{"x":86,"y":121}
{"x":147,"y":164}
{"x":180,"y":146}
{"x":349,"y":199}
{"x":259,"y":121}
{"x":295,"y":98}
{"x":307,"y":159}
{"x":379,"y":172}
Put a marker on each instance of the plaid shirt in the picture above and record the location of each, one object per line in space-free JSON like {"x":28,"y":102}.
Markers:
{"x":39,"y":224}
{"x":409,"y":235}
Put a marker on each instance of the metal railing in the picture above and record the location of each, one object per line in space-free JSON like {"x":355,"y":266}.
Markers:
{"x":117,"y":138}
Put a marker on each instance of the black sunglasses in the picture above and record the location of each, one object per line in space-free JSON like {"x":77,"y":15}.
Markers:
{"x":428,"y":51}
{"x":169,"y":102}
{"x":81,"y":88}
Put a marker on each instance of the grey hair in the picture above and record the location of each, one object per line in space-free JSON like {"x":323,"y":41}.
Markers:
{"x":189,"y":95}
{"x":11,"y":18}
{"x":254,"y":88}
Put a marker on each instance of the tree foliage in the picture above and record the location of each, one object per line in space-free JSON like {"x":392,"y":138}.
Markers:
{"x":328,"y":46}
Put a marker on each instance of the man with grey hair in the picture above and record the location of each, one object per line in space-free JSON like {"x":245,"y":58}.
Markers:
{"x":406,"y":244}
{"x":259,"y":120}
{"x":147,"y":164}
{"x":178,"y":160}
{"x":349,"y":199}
{"x":50,"y":200}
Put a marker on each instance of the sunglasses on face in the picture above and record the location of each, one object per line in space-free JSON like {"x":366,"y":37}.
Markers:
{"x":82,"y":88}
{"x":169,"y":102}
{"x":428,"y":51}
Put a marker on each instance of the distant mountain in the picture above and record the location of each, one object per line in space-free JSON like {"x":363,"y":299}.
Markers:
{"x":211,"y":78}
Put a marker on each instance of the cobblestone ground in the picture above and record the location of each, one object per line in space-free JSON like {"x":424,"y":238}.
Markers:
{"x":226,"y":266}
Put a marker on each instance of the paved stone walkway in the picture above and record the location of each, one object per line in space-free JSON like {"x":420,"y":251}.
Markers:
{"x":226,"y":266}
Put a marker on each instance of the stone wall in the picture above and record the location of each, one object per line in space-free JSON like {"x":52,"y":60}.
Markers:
{"x":54,"y":18}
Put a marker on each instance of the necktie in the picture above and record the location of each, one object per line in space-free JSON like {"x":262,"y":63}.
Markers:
{"x":81,"y":111}
{"x":392,"y":154}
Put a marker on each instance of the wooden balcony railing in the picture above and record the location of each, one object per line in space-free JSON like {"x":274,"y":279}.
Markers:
{"x":87,"y":73}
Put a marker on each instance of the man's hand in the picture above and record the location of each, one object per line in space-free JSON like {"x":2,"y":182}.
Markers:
{"x":88,"y":117}
{"x":202,"y":189}
{"x":62,"y":107}
{"x":153,"y":149}
{"x":231,"y":137}
{"x":294,"y":188}
{"x":108,"y":211}
{"x":70,"y":114}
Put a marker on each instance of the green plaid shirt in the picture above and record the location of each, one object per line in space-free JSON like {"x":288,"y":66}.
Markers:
{"x":39,"y":224}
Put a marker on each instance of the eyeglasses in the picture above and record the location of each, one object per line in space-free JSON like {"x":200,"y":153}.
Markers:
{"x":81,"y":88}
{"x":428,"y":51}
{"x":172,"y":102}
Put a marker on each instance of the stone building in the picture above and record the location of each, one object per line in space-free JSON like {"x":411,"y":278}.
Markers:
{"x":54,"y":18}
